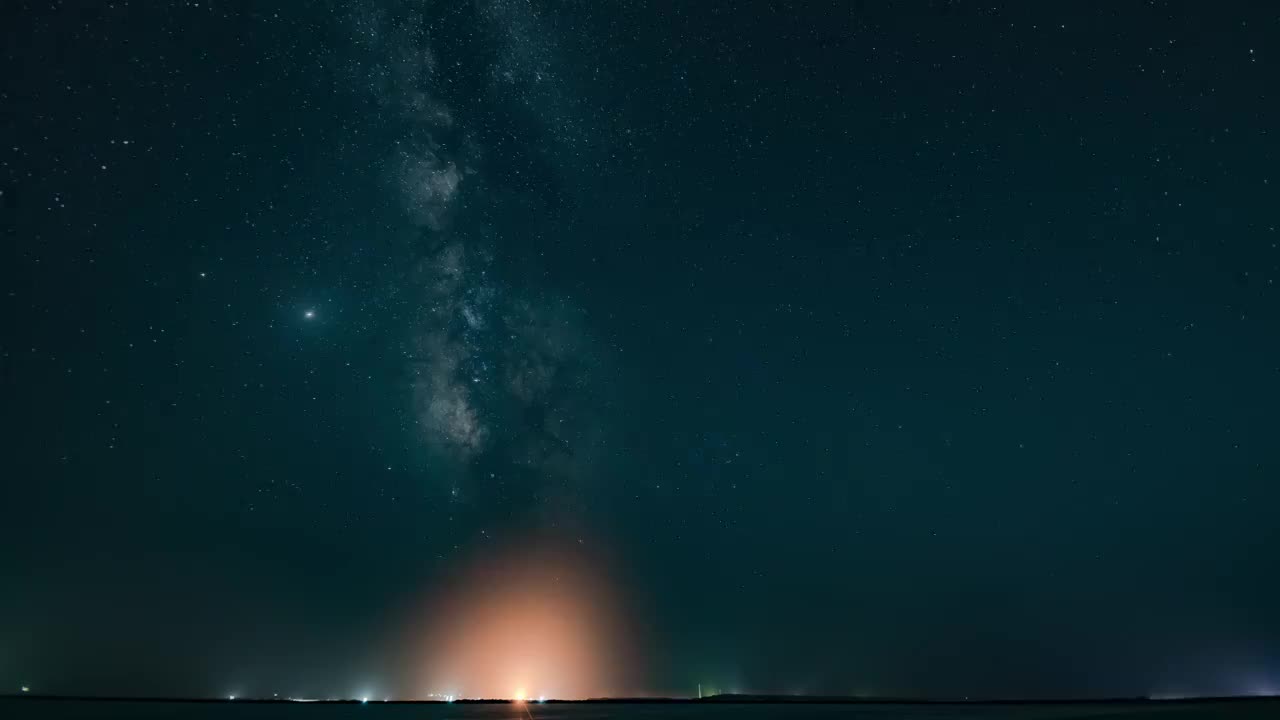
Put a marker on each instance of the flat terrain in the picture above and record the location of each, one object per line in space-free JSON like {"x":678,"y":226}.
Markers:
{"x":21,"y":708}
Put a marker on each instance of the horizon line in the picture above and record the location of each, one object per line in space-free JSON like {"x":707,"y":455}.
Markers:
{"x":731,"y":698}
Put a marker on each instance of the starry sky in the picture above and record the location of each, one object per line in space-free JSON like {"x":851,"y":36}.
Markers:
{"x":847,"y":347}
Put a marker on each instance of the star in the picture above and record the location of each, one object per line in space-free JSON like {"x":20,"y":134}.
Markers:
{"x":309,"y":314}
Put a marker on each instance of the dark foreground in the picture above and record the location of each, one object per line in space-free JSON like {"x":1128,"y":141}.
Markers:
{"x":17,"y":708}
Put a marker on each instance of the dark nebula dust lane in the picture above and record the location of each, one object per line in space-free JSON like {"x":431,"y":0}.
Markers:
{"x":510,"y":347}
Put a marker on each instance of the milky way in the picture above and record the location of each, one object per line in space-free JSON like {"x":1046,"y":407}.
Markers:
{"x":500,"y":370}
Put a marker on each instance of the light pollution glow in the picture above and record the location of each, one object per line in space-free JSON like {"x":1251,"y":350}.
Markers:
{"x":525,"y":624}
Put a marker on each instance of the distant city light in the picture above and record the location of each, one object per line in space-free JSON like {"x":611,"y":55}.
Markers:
{"x":542,"y":698}
{"x":364,"y":699}
{"x":231,"y":697}
{"x":26,"y":689}
{"x":520,"y":695}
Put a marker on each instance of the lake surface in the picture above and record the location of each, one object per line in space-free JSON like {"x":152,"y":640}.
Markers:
{"x":21,"y":708}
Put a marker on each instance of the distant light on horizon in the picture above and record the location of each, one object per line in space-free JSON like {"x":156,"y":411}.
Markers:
{"x":556,"y":638}
{"x":1264,"y":691}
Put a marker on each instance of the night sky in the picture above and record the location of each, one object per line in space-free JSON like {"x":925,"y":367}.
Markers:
{"x":917,"y":348}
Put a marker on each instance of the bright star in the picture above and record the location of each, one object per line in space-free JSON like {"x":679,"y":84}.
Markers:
{"x":309,"y":314}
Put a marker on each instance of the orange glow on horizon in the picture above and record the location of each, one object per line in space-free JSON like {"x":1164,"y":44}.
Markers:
{"x":538,"y":621}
